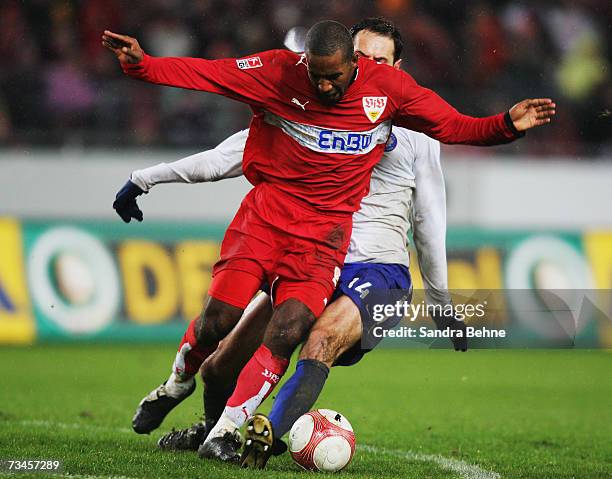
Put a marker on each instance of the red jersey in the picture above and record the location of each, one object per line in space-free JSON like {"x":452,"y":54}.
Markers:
{"x":321,"y":154}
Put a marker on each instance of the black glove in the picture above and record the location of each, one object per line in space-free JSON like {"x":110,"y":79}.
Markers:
{"x":125,"y":202}
{"x":443,"y":322}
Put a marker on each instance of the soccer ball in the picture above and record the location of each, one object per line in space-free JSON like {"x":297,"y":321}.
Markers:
{"x":322,"y":440}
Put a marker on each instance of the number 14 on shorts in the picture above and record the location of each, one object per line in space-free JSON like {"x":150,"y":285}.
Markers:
{"x":362,"y":288}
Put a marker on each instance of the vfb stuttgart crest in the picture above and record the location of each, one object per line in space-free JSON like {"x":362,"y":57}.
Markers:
{"x":374,"y":106}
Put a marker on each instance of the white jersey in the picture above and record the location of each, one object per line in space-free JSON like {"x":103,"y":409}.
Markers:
{"x":407,"y":188}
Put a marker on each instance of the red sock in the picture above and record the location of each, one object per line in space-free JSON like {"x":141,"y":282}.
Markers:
{"x":255,"y":382}
{"x":190,"y":354}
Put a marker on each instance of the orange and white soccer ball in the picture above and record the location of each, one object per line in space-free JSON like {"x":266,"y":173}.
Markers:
{"x":322,"y":440}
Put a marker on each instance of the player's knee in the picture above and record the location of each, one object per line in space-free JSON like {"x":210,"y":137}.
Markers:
{"x":207,"y":373}
{"x":217,"y":320}
{"x":212,"y":373}
{"x":324,"y":344}
{"x":288,"y":327}
{"x":335,"y":332}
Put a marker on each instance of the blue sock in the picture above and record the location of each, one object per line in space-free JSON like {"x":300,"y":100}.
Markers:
{"x":298,"y":395}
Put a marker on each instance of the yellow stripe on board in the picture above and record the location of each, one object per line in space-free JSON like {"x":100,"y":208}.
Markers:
{"x":17,"y":325}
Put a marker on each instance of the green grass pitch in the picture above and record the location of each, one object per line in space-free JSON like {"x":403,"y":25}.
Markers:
{"x":416,"y":414}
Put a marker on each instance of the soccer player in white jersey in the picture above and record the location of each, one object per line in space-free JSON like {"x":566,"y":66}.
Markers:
{"x":407,"y":186}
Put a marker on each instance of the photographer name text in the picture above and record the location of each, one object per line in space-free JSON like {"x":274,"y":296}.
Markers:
{"x":425,"y":332}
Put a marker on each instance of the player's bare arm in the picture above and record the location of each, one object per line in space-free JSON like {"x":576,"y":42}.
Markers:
{"x":126,"y":49}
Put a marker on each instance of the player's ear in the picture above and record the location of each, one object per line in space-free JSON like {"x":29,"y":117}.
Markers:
{"x":398,"y":64}
{"x":355,"y":59}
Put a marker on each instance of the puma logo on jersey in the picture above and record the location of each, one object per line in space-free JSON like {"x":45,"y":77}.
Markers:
{"x":251,"y":62}
{"x":301,"y":105}
{"x":374,"y":106}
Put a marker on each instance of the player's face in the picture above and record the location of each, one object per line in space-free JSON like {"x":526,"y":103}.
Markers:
{"x":330,"y":75}
{"x":375,"y":46}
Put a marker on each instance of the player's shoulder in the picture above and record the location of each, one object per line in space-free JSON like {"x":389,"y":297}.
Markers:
{"x":382,"y":80}
{"x":270,"y":58}
{"x":283,"y":55}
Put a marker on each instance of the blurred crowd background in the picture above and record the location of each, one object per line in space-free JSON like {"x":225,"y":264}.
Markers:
{"x":60,"y":88}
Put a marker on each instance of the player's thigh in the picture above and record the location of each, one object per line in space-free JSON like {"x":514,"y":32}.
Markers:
{"x":241,"y":343}
{"x":338,"y":329}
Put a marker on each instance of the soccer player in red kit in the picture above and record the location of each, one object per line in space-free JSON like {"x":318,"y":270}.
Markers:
{"x":321,"y":121}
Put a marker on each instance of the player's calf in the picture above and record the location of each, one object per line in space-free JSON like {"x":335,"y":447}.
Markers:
{"x":156,"y":405}
{"x":287,"y":328}
{"x":199,"y":341}
{"x":221,"y":369}
{"x":337,"y":330}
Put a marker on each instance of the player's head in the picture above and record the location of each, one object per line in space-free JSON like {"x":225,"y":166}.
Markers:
{"x":378,"y":40}
{"x":331,"y":59}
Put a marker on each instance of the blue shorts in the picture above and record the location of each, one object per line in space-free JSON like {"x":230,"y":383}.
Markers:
{"x":359,"y":281}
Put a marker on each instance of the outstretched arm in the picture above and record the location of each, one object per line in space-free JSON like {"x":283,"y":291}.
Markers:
{"x":425,"y":111}
{"x":224,"y":161}
{"x":253,"y":80}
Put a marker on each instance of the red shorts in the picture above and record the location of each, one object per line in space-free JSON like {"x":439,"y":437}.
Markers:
{"x":278,"y":239}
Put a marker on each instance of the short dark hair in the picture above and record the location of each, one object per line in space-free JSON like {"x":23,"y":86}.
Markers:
{"x":327,"y":37}
{"x":384,"y":27}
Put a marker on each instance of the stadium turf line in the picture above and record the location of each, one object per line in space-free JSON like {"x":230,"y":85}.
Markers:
{"x":417,"y":413}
